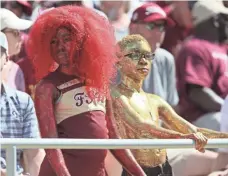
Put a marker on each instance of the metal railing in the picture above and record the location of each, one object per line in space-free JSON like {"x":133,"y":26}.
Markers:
{"x":21,"y":143}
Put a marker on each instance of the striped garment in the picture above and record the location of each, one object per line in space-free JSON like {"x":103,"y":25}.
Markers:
{"x":17,"y":118}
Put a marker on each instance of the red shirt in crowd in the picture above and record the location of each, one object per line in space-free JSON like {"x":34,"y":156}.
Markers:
{"x":200,"y":63}
{"x":176,"y":34}
{"x":26,"y":67}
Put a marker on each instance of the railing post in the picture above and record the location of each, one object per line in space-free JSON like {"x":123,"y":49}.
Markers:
{"x":11,"y":160}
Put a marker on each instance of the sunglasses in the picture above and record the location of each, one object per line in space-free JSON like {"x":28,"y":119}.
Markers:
{"x":137,"y":56}
{"x":152,"y":26}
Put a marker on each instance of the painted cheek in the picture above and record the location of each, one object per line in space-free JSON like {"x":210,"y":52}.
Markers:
{"x":68,"y":47}
{"x":129,"y":66}
{"x":54,"y":51}
{"x":149,"y":62}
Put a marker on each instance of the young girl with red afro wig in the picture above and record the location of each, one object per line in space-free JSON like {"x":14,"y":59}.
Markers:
{"x":73,"y":51}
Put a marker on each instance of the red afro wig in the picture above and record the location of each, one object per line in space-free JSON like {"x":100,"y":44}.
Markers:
{"x":93,"y":53}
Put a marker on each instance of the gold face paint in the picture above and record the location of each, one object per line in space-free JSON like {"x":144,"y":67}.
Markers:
{"x":137,"y":57}
{"x":138,"y":46}
{"x":135,"y":49}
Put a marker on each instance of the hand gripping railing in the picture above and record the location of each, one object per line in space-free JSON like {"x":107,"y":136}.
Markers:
{"x":11,"y":144}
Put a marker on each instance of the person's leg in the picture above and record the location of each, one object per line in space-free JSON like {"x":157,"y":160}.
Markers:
{"x":189,"y":162}
{"x":112,"y":166}
{"x":222,"y":161}
{"x":219,"y":173}
{"x":46,"y":169}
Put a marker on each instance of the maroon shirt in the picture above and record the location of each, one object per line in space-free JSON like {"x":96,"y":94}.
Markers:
{"x":200,"y":63}
{"x":176,"y":34}
{"x":26,"y":66}
{"x":29,"y":77}
{"x":77,"y":116}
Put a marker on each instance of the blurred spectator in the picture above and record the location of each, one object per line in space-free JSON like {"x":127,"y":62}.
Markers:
{"x":177,"y":33}
{"x":225,"y":3}
{"x":219,"y":173}
{"x":21,"y":8}
{"x":27,"y":69}
{"x":202,"y":69}
{"x":19,"y":71}
{"x":222,"y":160}
{"x":161,"y":81}
{"x":17,"y":57}
{"x":224,"y":128}
{"x":191,"y":4}
{"x":150,"y":21}
{"x":224,"y":120}
{"x":78,"y":3}
{"x":43,"y":5}
{"x":18,"y":120}
{"x":11,"y":26}
{"x":63,"y":3}
{"x":116,"y":12}
{"x":4,"y":51}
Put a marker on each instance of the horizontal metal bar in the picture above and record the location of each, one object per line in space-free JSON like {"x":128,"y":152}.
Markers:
{"x":51,"y":143}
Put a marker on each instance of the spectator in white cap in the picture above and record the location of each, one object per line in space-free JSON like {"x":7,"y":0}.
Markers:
{"x":22,"y":123}
{"x":11,"y":26}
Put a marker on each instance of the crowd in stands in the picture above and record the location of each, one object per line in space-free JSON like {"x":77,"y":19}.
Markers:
{"x":189,"y":70}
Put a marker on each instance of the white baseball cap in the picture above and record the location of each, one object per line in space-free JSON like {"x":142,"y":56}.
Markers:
{"x":10,"y":20}
{"x":205,"y":9}
{"x":3,"y":41}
